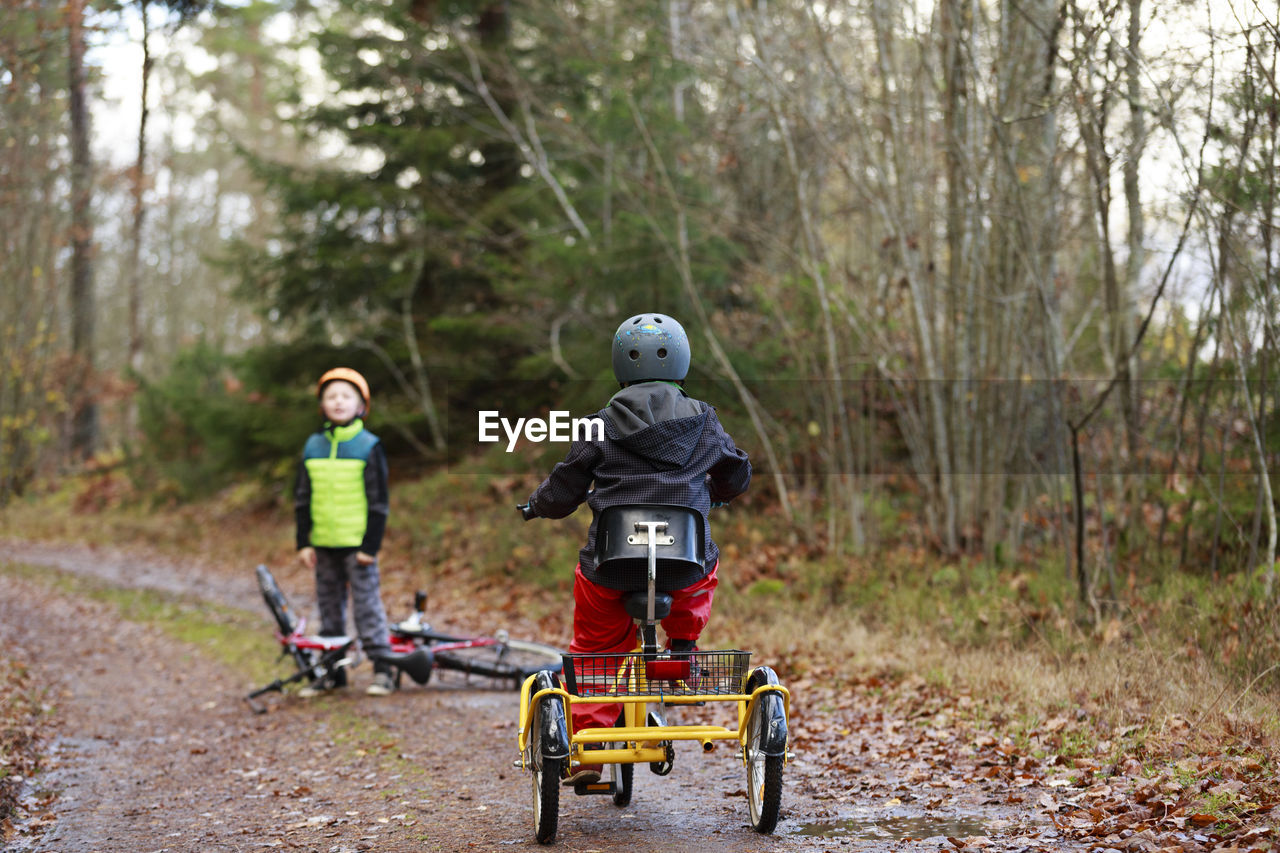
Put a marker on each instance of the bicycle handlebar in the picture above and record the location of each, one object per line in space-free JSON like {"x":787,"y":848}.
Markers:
{"x":527,"y":513}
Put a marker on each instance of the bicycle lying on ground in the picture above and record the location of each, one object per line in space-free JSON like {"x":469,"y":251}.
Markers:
{"x":416,"y":650}
{"x":497,"y":657}
{"x":645,"y":682}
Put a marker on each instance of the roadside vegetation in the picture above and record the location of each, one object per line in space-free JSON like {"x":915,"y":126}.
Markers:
{"x":1171,"y":686}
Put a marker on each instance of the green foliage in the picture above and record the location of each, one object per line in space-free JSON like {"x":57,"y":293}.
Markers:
{"x":435,"y":234}
{"x":204,"y":424}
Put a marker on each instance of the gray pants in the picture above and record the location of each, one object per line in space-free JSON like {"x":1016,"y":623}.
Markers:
{"x":336,"y":570}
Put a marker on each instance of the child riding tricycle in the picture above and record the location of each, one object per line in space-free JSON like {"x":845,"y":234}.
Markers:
{"x":649,"y":559}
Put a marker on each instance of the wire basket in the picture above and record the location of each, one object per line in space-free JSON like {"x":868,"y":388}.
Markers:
{"x":710,"y":673}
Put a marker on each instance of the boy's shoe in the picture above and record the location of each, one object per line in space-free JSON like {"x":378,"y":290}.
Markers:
{"x":584,"y":774}
{"x":315,"y":688}
{"x":383,"y":685}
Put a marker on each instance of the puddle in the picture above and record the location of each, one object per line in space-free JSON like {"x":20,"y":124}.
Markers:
{"x":901,"y":828}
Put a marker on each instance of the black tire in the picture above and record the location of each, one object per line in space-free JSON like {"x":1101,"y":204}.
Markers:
{"x":621,"y":775}
{"x":546,"y":797}
{"x":276,"y":602}
{"x":764,"y":772}
{"x":514,"y":660}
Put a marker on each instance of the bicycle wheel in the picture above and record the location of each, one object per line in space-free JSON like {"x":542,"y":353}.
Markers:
{"x":547,"y":770}
{"x":621,"y":776}
{"x":546,"y":798}
{"x":276,"y":603}
{"x":514,"y":660}
{"x":764,"y":771}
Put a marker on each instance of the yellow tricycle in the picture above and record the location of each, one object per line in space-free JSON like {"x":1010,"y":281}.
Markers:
{"x":646,"y":683}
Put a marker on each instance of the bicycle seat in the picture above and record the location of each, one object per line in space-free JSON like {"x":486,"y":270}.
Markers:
{"x":637,"y":604}
{"x":622,"y":551}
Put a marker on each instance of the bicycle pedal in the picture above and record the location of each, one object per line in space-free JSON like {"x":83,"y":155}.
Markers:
{"x":583,"y":789}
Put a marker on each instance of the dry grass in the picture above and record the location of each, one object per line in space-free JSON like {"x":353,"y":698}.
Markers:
{"x":1124,"y":690}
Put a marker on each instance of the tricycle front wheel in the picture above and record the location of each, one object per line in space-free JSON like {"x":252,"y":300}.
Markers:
{"x":546,"y":799}
{"x":764,"y":752}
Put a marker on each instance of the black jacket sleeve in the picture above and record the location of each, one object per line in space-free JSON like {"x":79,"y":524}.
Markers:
{"x":568,"y":483}
{"x":377,"y":496}
{"x":302,"y":505}
{"x":730,"y":476}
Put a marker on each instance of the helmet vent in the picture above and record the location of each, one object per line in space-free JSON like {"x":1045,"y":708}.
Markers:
{"x":657,"y":319}
{"x":634,"y":355}
{"x":662,"y":353}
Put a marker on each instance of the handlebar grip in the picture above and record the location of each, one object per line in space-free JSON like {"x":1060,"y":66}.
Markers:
{"x":526,"y":511}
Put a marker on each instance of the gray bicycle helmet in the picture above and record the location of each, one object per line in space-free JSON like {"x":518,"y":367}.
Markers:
{"x":648,"y":347}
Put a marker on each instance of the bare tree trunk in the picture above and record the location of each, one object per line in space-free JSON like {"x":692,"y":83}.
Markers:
{"x":845,"y":495}
{"x":139,"y":217}
{"x":932,"y":396}
{"x":1133,"y":264}
{"x":1202,"y":414}
{"x":84,"y":411}
{"x":1264,"y":477}
{"x":1269,"y":337}
{"x":1184,"y":402}
{"x":960,"y":298}
{"x":426,"y":402}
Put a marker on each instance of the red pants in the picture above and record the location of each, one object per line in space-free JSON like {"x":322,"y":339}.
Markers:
{"x":601,"y":626}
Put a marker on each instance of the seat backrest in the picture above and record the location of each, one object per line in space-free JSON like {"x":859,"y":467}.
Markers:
{"x":616,"y":555}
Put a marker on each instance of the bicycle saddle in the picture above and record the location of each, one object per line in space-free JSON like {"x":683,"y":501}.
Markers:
{"x":622,"y":550}
{"x":417,"y":664}
{"x":637,"y":604}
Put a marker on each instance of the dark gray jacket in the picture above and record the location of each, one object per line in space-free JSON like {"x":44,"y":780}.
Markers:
{"x":660,"y":446}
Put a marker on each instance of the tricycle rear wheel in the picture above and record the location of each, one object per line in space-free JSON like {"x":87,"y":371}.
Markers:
{"x":621,"y":775}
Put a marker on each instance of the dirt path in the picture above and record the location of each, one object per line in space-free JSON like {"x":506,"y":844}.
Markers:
{"x":154,"y":750}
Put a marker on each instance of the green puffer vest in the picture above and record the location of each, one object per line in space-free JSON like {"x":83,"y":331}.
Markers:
{"x":335,"y":461}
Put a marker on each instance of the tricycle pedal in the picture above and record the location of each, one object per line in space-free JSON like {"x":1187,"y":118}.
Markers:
{"x":583,"y":789}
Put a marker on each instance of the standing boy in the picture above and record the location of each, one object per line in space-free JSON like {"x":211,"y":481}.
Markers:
{"x":340,"y":504}
{"x":660,"y":446}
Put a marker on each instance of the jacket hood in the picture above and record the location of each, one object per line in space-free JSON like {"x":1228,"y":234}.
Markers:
{"x":657,"y":421}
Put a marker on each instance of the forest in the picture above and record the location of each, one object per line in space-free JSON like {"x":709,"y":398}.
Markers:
{"x":993,"y":280}
{"x":987,"y":289}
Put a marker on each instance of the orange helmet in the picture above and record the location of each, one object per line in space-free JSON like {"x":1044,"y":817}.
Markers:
{"x":346,"y":374}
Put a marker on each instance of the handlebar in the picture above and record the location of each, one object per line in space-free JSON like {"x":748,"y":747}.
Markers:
{"x":526,"y":510}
